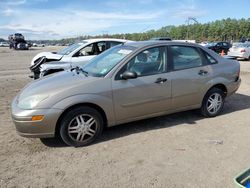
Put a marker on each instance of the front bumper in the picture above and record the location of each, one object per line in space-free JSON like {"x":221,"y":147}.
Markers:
{"x":36,"y":129}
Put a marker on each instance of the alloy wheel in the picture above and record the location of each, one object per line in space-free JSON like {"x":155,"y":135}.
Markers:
{"x":214,"y":103}
{"x":82,"y":128}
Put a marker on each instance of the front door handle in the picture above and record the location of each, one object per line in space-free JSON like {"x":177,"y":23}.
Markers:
{"x":161,"y":80}
{"x":202,"y":72}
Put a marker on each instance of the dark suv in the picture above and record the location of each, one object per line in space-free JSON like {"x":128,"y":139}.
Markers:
{"x":219,"y":46}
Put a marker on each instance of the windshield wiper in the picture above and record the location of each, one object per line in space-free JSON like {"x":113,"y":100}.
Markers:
{"x":78,"y":70}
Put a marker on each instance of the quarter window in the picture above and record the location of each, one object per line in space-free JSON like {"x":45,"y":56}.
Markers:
{"x":185,"y":57}
{"x":148,"y":62}
{"x":210,"y":59}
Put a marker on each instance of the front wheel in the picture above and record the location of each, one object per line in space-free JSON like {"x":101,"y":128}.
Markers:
{"x":213,"y":102}
{"x":81,"y":126}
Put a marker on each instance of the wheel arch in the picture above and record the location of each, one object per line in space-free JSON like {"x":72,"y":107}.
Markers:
{"x":91,"y":105}
{"x":219,"y":86}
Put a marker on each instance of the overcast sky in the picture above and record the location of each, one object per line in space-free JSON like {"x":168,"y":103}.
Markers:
{"x":56,"y":19}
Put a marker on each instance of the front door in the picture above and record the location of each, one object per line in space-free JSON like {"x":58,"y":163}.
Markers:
{"x":149,"y":93}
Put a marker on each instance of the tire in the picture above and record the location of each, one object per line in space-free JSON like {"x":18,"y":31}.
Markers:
{"x":81,"y":126}
{"x":213,"y":102}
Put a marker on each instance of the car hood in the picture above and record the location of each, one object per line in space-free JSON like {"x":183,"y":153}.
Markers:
{"x":55,"y":65}
{"x":61,"y":65}
{"x":48,"y":55}
{"x":60,"y":86}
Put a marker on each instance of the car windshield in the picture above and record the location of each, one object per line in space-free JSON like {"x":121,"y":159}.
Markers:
{"x":69,"y":49}
{"x":105,"y":62}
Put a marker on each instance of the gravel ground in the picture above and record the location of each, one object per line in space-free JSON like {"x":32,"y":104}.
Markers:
{"x":179,"y":150}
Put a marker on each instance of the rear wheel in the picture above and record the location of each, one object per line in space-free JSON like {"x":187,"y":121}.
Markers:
{"x":81,"y":126}
{"x":213,"y":102}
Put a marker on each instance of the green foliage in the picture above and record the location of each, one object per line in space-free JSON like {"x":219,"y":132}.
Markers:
{"x":225,"y":30}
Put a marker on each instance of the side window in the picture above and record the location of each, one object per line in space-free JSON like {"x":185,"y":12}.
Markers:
{"x":114,"y":43}
{"x":148,"y":62}
{"x":226,"y":44}
{"x":87,"y":50}
{"x":219,"y":44}
{"x":210,"y":59}
{"x":101,"y":47}
{"x":93,"y":49}
{"x":185,"y":57}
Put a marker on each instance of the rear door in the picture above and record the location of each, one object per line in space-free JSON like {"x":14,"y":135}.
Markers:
{"x":189,"y":73}
{"x":147,"y":94}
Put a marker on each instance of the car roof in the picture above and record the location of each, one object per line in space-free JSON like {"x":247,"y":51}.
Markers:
{"x":104,"y":39}
{"x":141,"y":44}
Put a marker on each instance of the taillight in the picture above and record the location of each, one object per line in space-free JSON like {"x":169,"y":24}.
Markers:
{"x":242,"y":51}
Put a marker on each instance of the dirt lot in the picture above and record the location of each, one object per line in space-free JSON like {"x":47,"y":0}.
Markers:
{"x":179,"y":150}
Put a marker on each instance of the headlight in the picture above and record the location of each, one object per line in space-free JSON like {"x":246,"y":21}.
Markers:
{"x":31,"y":101}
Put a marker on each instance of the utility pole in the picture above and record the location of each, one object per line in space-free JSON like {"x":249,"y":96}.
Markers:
{"x":188,"y":23}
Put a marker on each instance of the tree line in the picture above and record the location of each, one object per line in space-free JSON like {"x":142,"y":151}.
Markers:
{"x":219,"y":30}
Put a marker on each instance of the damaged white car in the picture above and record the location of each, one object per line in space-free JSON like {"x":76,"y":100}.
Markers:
{"x":77,"y":54}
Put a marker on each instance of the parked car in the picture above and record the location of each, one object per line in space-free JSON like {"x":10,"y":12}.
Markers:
{"x":128,"y":82}
{"x":46,"y":63}
{"x":204,"y":43}
{"x":218,"y":47}
{"x":17,"y":42}
{"x":161,"y":38}
{"x":4,"y":44}
{"x":240,"y":50}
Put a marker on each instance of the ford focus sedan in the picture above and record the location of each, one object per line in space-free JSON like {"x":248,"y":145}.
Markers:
{"x":129,"y":82}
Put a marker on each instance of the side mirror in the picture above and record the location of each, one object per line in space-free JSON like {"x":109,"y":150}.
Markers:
{"x":129,"y":75}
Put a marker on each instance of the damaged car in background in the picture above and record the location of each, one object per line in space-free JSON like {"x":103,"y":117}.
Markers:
{"x":77,"y":54}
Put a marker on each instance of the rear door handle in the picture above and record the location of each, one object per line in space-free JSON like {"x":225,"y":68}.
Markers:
{"x":161,"y":80}
{"x":202,"y":72}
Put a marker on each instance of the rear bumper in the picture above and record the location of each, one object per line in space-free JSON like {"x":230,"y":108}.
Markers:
{"x":237,"y":54}
{"x":233,"y":87}
{"x":36,"y":129}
